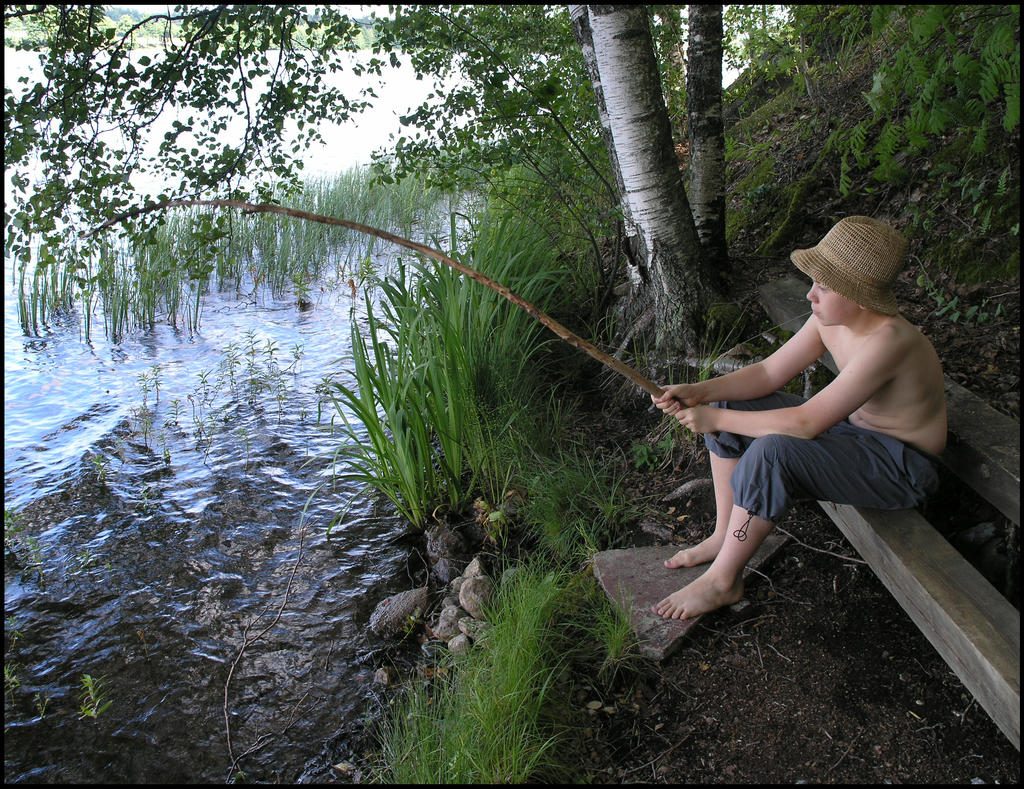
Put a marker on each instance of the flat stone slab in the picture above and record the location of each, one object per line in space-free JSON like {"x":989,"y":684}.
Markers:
{"x":636,"y":579}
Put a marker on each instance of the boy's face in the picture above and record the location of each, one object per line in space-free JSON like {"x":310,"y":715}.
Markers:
{"x":829,"y":307}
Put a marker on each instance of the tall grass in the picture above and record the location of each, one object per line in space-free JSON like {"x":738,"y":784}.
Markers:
{"x":489,"y":721}
{"x":503,"y":712}
{"x":445,"y":366}
{"x":447,"y":382}
{"x":397,"y":392}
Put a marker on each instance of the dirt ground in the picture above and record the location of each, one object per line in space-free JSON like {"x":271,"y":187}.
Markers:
{"x":818,"y":676}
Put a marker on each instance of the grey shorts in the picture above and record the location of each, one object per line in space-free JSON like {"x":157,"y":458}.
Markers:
{"x":846,"y":464}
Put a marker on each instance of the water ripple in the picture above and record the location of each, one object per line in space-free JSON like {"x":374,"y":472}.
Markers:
{"x":157,"y":529}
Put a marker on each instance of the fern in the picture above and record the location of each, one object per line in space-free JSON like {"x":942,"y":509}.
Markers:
{"x":1011,"y":118}
{"x":845,"y":182}
{"x":924,"y":25}
{"x":888,"y":142}
{"x":940,"y":78}
{"x":1003,"y":184}
{"x":857,"y":141}
{"x":979,"y":141}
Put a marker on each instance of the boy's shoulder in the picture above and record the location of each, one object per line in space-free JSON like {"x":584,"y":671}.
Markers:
{"x":891,"y":339}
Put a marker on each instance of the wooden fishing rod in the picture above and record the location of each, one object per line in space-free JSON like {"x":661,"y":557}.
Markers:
{"x":556,"y":327}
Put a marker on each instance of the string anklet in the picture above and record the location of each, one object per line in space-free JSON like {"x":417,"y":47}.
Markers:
{"x":741,"y":533}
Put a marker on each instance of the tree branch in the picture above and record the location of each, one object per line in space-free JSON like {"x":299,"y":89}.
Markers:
{"x":549,"y":322}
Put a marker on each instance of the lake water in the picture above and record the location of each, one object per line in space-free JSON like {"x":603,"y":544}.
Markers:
{"x":167,"y":513}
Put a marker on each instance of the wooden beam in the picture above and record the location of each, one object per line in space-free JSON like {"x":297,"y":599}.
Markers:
{"x":983,"y":449}
{"x":972,"y":626}
{"x":983,"y":446}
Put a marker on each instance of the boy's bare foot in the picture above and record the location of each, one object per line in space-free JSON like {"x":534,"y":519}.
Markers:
{"x":703,"y":595}
{"x":701,"y":553}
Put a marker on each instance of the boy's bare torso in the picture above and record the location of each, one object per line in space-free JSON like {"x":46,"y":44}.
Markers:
{"x":910,"y":406}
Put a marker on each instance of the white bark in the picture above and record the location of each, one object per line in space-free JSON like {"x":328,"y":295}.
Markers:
{"x":654,"y":200}
{"x":635,"y":107}
{"x":584,"y":36}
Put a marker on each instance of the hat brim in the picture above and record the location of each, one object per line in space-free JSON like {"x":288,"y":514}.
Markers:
{"x":818,"y":267}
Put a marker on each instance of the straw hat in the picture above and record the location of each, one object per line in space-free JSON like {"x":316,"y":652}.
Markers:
{"x":860,"y":259}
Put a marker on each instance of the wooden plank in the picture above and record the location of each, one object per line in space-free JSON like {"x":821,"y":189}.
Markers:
{"x":983,"y":446}
{"x":974,"y":628}
{"x":983,"y":449}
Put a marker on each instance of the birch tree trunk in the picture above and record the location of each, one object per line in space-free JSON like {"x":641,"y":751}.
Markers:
{"x":669,"y":279}
{"x":585,"y":38}
{"x":707,"y":145}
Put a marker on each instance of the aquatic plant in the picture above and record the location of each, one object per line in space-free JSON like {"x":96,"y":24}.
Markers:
{"x":93,"y":698}
{"x":11,"y":681}
{"x":23,"y":547}
{"x":164,"y":276}
{"x":100,"y":464}
{"x":12,"y":631}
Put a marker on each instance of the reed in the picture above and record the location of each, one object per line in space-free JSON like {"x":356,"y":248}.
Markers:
{"x":444,"y":366}
{"x":164,"y":276}
{"x":45,"y":289}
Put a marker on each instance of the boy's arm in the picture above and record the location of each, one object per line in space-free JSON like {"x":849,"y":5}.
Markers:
{"x":875,"y":363}
{"x":755,"y":380}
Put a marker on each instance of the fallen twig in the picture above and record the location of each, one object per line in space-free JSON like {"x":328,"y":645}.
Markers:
{"x":820,"y":550}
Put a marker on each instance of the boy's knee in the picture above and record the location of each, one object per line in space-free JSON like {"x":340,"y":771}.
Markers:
{"x":762,"y":479}
{"x":773,"y":449}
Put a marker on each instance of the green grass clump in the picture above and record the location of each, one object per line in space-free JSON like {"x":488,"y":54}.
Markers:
{"x":489,"y":719}
{"x":503,"y":713}
{"x":576,"y":505}
{"x":444,"y":369}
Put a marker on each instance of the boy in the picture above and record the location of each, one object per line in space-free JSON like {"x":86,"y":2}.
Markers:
{"x":863,"y":440}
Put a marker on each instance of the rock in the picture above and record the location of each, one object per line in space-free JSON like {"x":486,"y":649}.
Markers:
{"x":474,"y":594}
{"x":443,"y":549}
{"x":459,"y":645}
{"x":635,"y":579}
{"x":392,"y":615}
{"x":474,"y":569}
{"x":474,"y":629}
{"x":448,"y":622}
{"x":382,"y":677}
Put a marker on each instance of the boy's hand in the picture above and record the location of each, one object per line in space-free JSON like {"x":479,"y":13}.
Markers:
{"x":683,"y":402}
{"x":677,"y":396}
{"x":699,"y":419}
